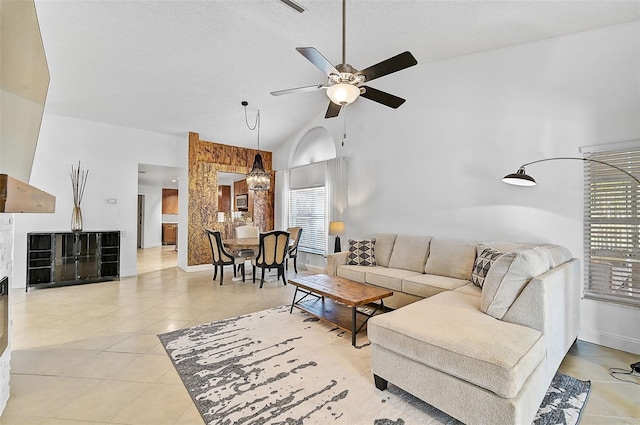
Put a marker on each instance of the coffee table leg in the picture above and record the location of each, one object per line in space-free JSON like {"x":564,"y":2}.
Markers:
{"x":353,"y":326}
{"x":294,"y":300}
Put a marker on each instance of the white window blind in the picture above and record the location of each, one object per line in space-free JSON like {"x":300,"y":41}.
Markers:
{"x":612,"y":226}
{"x":307,"y":210}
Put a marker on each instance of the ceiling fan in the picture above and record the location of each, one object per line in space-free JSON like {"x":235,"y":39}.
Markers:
{"x":345,"y":83}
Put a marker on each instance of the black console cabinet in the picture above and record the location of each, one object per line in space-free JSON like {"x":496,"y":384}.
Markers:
{"x":67,"y":258}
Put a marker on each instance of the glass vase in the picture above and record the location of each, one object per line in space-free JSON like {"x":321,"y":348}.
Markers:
{"x":76,"y":219}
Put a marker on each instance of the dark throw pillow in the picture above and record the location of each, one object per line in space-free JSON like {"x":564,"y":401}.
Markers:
{"x":485,"y":259}
{"x":362,"y":253}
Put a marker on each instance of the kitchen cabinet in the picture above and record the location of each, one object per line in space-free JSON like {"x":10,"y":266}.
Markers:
{"x":169,"y":201}
{"x":65,"y":258}
{"x":224,"y":198}
{"x":169,"y":233}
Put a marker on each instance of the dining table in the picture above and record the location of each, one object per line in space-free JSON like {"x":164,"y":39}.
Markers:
{"x":247,"y":243}
{"x":242,"y":243}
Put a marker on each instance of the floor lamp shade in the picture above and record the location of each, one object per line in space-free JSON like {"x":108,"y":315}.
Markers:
{"x":337,"y":229}
{"x":521,"y":178}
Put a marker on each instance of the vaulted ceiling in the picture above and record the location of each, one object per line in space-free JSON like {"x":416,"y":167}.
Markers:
{"x":185,"y":65}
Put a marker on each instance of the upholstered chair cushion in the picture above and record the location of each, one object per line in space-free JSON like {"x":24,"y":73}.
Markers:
{"x":275,"y":249}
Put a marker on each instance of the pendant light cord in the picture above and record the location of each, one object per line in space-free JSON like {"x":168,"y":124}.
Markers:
{"x":255,"y":125}
{"x":344,"y":31}
{"x":344,"y":128}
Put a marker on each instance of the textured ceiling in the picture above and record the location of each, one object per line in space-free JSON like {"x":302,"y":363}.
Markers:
{"x":180,"y":66}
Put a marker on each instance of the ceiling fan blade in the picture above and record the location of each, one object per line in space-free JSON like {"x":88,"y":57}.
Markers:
{"x":389,"y":66}
{"x":382,"y":97}
{"x":316,"y":58}
{"x":298,"y":90}
{"x":333,"y":110}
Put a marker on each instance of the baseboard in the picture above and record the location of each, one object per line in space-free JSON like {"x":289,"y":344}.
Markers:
{"x":607,"y":339}
{"x":153,"y":245}
{"x":200,"y":268}
{"x":314,"y":269}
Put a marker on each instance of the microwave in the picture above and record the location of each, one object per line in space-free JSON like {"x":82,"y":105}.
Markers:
{"x":242,"y":202}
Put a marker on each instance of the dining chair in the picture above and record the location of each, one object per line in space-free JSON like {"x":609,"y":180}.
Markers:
{"x":272,"y":253}
{"x":221,"y":258}
{"x":247,"y":232}
{"x":295,"y":233}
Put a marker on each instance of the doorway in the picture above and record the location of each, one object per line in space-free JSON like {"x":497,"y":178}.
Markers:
{"x":140,"y":221}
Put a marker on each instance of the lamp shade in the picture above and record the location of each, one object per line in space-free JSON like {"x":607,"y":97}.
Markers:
{"x":258,"y":179}
{"x":519,"y":178}
{"x":343,"y":94}
{"x":336,"y":228}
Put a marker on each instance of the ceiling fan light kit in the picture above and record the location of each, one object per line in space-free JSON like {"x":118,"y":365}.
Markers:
{"x":343,"y":93}
{"x":344,"y":84}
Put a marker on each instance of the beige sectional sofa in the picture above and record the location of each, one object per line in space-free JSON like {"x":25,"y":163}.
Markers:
{"x":484,"y":355}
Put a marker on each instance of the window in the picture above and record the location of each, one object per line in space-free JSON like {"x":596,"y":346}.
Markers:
{"x":307,"y":210}
{"x":612,"y":226}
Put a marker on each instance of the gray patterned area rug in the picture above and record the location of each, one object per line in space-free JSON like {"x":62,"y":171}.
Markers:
{"x":272,"y":367}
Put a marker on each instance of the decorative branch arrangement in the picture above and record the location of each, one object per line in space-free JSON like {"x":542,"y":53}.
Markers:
{"x":78,"y":183}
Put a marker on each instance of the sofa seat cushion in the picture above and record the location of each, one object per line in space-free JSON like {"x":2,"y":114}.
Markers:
{"x":427,"y":285}
{"x":356,"y":273}
{"x":470,"y":289}
{"x":449,"y":333}
{"x":387,"y":277}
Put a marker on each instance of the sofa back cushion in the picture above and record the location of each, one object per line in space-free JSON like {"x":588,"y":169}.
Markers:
{"x":506,"y":246}
{"x":384,"y":247}
{"x":451,"y":257}
{"x":508,"y":276}
{"x":410,"y":252}
{"x":557,"y":254}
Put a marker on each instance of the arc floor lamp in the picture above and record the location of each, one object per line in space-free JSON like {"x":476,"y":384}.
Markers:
{"x":521,"y":178}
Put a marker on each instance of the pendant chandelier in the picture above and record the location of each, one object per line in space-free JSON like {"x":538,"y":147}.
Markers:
{"x":257,"y":179}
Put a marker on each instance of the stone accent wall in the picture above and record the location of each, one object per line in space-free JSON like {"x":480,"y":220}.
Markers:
{"x":205,"y":160}
{"x":6,"y":269}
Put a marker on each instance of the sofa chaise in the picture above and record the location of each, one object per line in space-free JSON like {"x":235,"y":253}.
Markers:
{"x":478,"y":330}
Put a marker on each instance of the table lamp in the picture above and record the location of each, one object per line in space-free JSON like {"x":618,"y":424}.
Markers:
{"x":336,"y":228}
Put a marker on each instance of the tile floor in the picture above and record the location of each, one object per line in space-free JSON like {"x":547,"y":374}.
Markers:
{"x":88,"y":355}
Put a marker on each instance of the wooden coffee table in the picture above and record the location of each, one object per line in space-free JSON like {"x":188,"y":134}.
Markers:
{"x":335,"y":300}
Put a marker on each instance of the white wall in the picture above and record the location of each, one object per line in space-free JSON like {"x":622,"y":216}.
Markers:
{"x":434,"y":165}
{"x":111,"y":154}
{"x":21,"y":119}
{"x":152,"y":215}
{"x":6,"y":269}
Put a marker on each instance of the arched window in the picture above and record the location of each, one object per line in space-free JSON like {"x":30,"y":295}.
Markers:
{"x":316,"y":145}
{"x":309,"y":188}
